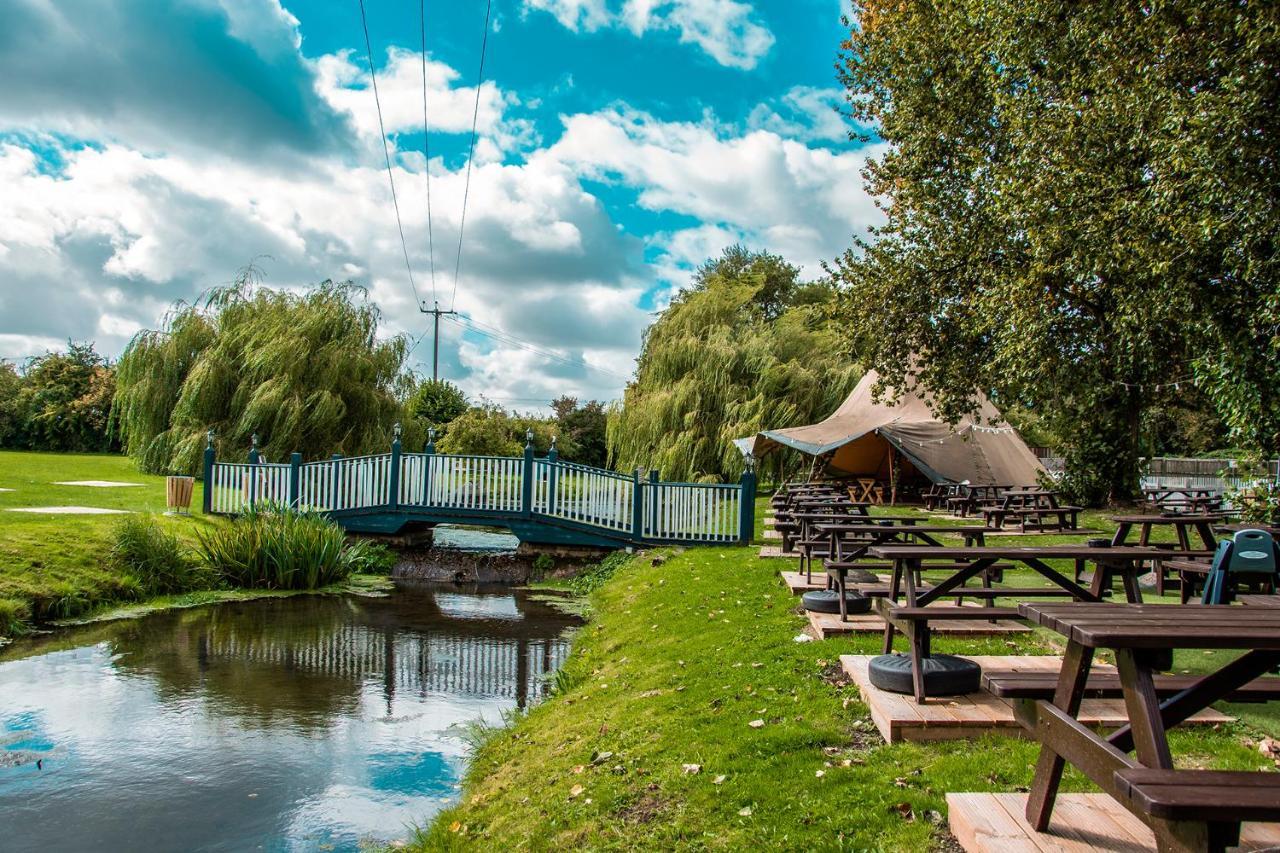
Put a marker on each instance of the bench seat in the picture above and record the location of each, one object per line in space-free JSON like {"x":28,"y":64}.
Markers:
{"x":1213,"y":796}
{"x":1041,"y":685}
{"x":937,"y":614}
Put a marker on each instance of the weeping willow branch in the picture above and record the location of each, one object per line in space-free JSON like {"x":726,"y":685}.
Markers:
{"x":304,"y":371}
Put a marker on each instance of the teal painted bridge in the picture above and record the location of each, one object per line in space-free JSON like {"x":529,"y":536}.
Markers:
{"x":542,"y":500}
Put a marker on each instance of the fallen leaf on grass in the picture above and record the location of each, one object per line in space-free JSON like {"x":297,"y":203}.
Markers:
{"x":820,"y":773}
{"x":756,"y":724}
{"x":904,"y":811}
{"x":575,"y":791}
{"x":719,"y":780}
{"x":600,"y":757}
{"x":692,"y":769}
{"x":746,"y":812}
{"x":579,"y":768}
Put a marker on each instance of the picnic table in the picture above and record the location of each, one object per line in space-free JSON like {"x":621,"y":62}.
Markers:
{"x":967,"y":562}
{"x":845,"y":552}
{"x":1030,"y":505}
{"x":867,"y":489}
{"x":1186,"y":809}
{"x":1183,"y":498}
{"x":966,"y":499}
{"x":1183,"y":526}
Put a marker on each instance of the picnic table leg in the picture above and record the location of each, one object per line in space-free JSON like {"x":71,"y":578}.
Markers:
{"x":841,"y":585}
{"x":1129,"y":578}
{"x":894,"y":587}
{"x":1151,"y":742}
{"x":1076,"y":662}
{"x":1205,"y":529}
{"x":919,"y":651}
{"x":1122,"y":533}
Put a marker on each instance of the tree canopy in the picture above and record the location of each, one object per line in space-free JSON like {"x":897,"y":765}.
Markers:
{"x":59,"y":401}
{"x":304,"y":371}
{"x":747,"y":347}
{"x":1081,"y":214}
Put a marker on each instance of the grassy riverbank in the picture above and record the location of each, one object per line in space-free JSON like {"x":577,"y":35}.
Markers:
{"x":52,"y":565}
{"x":692,"y":663}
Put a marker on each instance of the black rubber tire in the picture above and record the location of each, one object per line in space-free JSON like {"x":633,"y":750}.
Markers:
{"x":944,"y":675}
{"x":828,"y":601}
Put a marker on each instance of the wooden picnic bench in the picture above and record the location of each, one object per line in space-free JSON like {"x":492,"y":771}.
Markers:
{"x":1186,"y":809}
{"x":913,"y":620}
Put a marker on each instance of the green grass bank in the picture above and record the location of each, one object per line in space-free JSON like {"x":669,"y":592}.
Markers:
{"x":688,"y":717}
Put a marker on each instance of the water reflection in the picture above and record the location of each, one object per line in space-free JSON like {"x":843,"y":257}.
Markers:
{"x":277,"y":725}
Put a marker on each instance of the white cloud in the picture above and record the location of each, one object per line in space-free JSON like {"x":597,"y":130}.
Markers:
{"x":806,"y":113}
{"x":773,"y":192}
{"x":726,"y":30}
{"x":343,"y":82}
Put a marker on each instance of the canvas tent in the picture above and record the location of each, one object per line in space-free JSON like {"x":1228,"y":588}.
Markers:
{"x":866,"y":438}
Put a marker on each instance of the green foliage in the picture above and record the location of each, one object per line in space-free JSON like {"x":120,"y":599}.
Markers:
{"x":156,"y":558}
{"x":582,"y":431}
{"x":594,"y":576}
{"x":543,"y":564}
{"x":304,"y":371}
{"x":1081,"y":213}
{"x":436,"y":402}
{"x":490,"y":430}
{"x":60,"y":401}
{"x":14,"y":616}
{"x":718,"y":365}
{"x":271,"y":549}
{"x":371,"y":558}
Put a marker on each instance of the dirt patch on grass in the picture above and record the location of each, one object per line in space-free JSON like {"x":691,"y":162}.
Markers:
{"x":648,"y":808}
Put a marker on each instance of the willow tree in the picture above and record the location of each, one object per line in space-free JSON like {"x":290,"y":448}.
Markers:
{"x":1082,"y":213}
{"x":305,"y":372}
{"x":735,"y":354}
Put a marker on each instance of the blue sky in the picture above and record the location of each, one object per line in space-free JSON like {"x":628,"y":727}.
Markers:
{"x":150,"y":149}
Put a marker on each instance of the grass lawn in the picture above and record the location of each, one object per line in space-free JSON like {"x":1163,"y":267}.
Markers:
{"x":678,"y":661}
{"x":52,"y":566}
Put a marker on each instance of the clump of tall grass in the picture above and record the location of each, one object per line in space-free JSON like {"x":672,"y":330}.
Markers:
{"x":371,"y":558}
{"x":279,"y":549}
{"x":14,"y":617}
{"x":157,"y":561}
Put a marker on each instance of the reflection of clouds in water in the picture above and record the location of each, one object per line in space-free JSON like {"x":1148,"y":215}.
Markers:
{"x":478,"y":606}
{"x":169,"y":727}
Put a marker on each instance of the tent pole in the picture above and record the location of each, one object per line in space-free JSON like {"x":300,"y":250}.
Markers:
{"x":893,"y":478}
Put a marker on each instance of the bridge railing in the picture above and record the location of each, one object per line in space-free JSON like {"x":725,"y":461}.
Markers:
{"x":620,"y":506}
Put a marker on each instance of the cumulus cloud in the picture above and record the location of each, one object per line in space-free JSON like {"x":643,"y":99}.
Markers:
{"x":219,"y":75}
{"x":774,"y":192}
{"x":726,"y":30}
{"x":134,"y":179}
{"x":806,"y":113}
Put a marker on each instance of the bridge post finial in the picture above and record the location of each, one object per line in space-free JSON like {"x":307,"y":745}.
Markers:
{"x":208,"y":439}
{"x":397,"y":430}
{"x":528,"y":437}
{"x":431,"y":440}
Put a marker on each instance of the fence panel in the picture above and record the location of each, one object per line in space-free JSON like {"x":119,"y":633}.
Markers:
{"x":482,"y":483}
{"x":238,"y":486}
{"x":583,"y":494}
{"x":697,"y":512}
{"x":357,"y":482}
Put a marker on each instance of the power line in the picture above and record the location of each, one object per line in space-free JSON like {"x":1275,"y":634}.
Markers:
{"x":466,"y":186}
{"x":426,"y":149}
{"x":507,"y":338}
{"x":386,"y":152}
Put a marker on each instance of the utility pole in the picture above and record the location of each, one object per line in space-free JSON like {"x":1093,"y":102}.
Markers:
{"x":435,"y":337}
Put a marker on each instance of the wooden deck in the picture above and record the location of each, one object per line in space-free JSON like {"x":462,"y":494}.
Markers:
{"x":826,"y":625}
{"x":1082,"y":823}
{"x":900,"y":718}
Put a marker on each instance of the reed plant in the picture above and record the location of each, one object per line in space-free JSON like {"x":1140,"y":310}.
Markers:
{"x":156,"y":560}
{"x":277,"y":548}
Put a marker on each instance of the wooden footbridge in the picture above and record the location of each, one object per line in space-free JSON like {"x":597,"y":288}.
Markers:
{"x":542,"y":500}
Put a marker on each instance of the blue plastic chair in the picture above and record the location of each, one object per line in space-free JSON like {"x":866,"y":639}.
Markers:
{"x":1250,"y":556}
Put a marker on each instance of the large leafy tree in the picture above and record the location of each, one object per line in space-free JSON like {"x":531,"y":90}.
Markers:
{"x":1081,"y":213}
{"x":306,"y":372}
{"x":746,"y":348}
{"x":582,"y":429}
{"x":61,"y":401}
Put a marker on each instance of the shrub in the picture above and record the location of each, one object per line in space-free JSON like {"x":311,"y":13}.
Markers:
{"x":543,"y":564}
{"x":156,"y":558}
{"x":279,"y":550}
{"x":371,"y":558}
